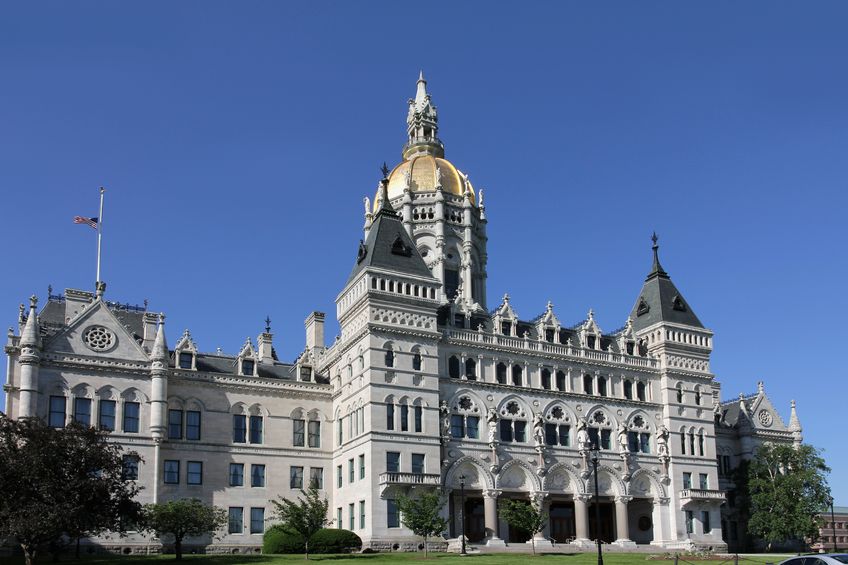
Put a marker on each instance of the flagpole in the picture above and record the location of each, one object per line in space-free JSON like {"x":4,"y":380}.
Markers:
{"x":99,"y":234}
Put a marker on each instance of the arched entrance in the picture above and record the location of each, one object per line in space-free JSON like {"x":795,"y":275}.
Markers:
{"x":562,"y":526}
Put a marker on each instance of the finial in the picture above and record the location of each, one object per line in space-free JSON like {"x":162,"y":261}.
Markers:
{"x":421,"y":75}
{"x":100,"y":289}
{"x":385,"y":170}
{"x":33,"y":301}
{"x":162,"y":318}
{"x":654,"y":239}
{"x":480,"y":195}
{"x":267,"y":324}
{"x":506,"y":298}
{"x":49,"y":291}
{"x":591,"y":314}
{"x":792,"y":403}
{"x":367,"y":202}
{"x":656,"y":268}
{"x":146,"y":302}
{"x":21,"y":309}
{"x":760,"y":387}
{"x":550,"y":306}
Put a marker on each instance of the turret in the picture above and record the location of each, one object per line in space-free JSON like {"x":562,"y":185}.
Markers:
{"x":159,"y":385}
{"x":795,"y":427}
{"x":29,"y":360}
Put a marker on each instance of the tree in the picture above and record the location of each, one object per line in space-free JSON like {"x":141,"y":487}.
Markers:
{"x":524,"y":516}
{"x":187,"y":517}
{"x":60,"y":482}
{"x":305,"y":516}
{"x":783,"y":491}
{"x":422,"y":515}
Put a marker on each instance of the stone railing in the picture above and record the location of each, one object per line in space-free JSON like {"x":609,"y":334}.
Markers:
{"x":485,"y":338}
{"x":699,"y":494}
{"x":410,"y":479}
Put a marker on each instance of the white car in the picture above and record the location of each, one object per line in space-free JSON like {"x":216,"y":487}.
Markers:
{"x":820,"y":559}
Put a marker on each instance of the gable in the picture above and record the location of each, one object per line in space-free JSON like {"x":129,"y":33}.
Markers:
{"x":96,"y":331}
{"x":764,"y":416}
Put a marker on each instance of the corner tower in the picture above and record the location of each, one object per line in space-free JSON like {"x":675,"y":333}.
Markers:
{"x":439,"y":209}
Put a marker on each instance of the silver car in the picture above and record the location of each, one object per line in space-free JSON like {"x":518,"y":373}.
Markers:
{"x":820,"y":559}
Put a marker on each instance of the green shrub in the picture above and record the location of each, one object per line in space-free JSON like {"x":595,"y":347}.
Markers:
{"x":279,"y":540}
{"x":330,"y":540}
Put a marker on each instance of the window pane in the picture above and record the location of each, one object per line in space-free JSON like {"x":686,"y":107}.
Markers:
{"x":235,"y":523}
{"x":131,"y":417}
{"x":130,"y":468}
{"x":296,"y":477}
{"x":316,"y":477}
{"x":361,"y":466}
{"x":256,"y":429}
{"x":457,"y":426}
{"x":185,"y":360}
{"x":257,"y":520}
{"x":645,"y":443}
{"x":350,"y":475}
{"x":106,"y":418}
{"x":298,"y":427}
{"x":506,"y":429}
{"x":551,"y":434}
{"x":257,"y":475}
{"x":605,"y":439}
{"x":633,"y":441}
{"x":193,"y":425}
{"x":239,"y":428}
{"x":393,"y":462}
{"x":339,"y":477}
{"x":172,"y":472}
{"x":175,"y":424}
{"x":57,"y":411}
{"x":362,"y":514}
{"x":417,"y":462}
{"x":194,"y":473}
{"x":472,"y":427}
{"x":314,"y":433}
{"x":390,"y":416}
{"x":564,"y":438}
{"x":594,"y":438}
{"x":82,"y":411}
{"x":236,"y":474}
{"x":392,"y":514}
{"x":418,"y":418}
{"x":404,"y":418}
{"x":520,"y":428}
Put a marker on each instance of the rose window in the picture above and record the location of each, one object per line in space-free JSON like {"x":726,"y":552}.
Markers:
{"x":765,"y":418}
{"x":99,"y":338}
{"x":599,"y":417}
{"x":512,"y":408}
{"x":557,"y":412}
{"x":638,"y":422}
{"x":465,"y":403}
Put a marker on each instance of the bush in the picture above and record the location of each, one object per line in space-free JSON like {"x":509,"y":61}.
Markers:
{"x":279,"y":540}
{"x":331,"y":540}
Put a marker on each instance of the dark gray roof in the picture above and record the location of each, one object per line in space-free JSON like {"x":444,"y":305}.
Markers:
{"x":661,"y":301}
{"x":226,"y":364}
{"x":730,"y":409}
{"x":389,"y":247}
{"x":52,"y":317}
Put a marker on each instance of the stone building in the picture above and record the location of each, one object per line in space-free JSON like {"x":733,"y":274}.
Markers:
{"x":427,"y":386}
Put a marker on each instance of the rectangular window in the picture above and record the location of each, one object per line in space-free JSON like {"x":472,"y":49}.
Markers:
{"x":417,"y":463}
{"x":82,"y":411}
{"x":587,"y":384}
{"x":340,"y":431}
{"x":645,"y":443}
{"x":404,"y":418}
{"x":594,"y":438}
{"x":339,"y":523}
{"x":316,"y":477}
{"x":703,"y":481}
{"x":131,"y":417}
{"x":457,"y":426}
{"x":257,"y":475}
{"x":175,"y":424}
{"x":392,"y":462}
{"x":257,"y":520}
{"x":633,"y":442}
{"x":605,"y":439}
{"x":194,"y":473}
{"x":520,"y":431}
{"x":130,"y":468}
{"x":690,"y":522}
{"x":339,"y":477}
{"x":193,"y":425}
{"x":705,"y":522}
{"x":350,"y":475}
{"x":506,"y":429}
{"x":57,"y":412}
{"x":472,"y":427}
{"x":419,"y":413}
{"x":351,"y":517}
{"x":235,"y":522}
{"x":106,"y":416}
{"x":683,"y":443}
{"x":185,"y":360}
{"x":239,"y":428}
{"x":236,"y":474}
{"x":172,"y":472}
{"x":392,"y":514}
{"x":564,"y":436}
{"x":687,"y":480}
{"x":296,"y":477}
{"x":256,"y":429}
{"x":362,"y":466}
{"x":314,"y":433}
{"x":362,"y":514}
{"x":551,"y":434}
{"x":390,"y":416}
{"x":298,"y":429}
{"x":602,"y":386}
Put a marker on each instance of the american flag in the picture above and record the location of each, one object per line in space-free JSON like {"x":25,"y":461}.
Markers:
{"x":88,"y":221}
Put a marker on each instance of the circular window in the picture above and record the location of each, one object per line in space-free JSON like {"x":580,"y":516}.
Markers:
{"x":99,"y":338}
{"x":765,"y":418}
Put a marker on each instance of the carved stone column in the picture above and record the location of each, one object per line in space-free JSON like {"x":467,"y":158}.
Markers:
{"x":622,"y":525}
{"x":581,"y":520}
{"x":490,"y":516}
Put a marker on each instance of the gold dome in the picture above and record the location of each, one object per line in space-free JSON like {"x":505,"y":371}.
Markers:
{"x":423,"y":178}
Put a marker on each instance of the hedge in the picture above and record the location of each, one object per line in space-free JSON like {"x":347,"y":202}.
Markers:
{"x":329,"y":540}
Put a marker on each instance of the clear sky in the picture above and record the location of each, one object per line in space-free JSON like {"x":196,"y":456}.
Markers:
{"x":237,"y":140}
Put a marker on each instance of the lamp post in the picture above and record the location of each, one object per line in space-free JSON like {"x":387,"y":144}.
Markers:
{"x":462,"y":513}
{"x":595,"y":451}
{"x":833,"y":526}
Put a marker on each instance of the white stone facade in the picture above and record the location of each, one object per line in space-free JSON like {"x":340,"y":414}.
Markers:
{"x":424,"y":388}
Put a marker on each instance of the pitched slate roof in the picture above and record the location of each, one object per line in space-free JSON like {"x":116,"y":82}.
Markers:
{"x":660,"y":300}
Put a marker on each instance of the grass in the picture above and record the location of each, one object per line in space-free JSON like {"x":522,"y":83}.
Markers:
{"x":588,"y":558}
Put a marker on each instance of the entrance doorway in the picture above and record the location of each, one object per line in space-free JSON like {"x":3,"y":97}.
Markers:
{"x":607,"y":522}
{"x":475,"y":519}
{"x":562,"y":521}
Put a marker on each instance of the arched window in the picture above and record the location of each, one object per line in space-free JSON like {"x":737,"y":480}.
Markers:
{"x":517,"y":375}
{"x":501,"y":373}
{"x":390,"y":415}
{"x":465,"y":419}
{"x":390,"y":356}
{"x":680,"y":394}
{"x":416,"y":361}
{"x":419,"y":418}
{"x":701,"y":443}
{"x":682,"y":442}
{"x":588,"y":387}
{"x":453,"y":367}
{"x":697,"y":396}
{"x":692,"y":442}
{"x":628,"y":390}
{"x":404,"y":417}
{"x":513,"y":427}
{"x":471,"y":369}
{"x":602,"y":386}
{"x":640,"y":391}
{"x":560,"y":380}
{"x":546,"y":379}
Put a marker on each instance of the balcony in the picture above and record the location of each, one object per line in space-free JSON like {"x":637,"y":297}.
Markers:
{"x":410,"y":479}
{"x":701,"y":496}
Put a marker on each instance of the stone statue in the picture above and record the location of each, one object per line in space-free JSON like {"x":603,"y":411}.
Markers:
{"x":367,"y":202}
{"x":438,"y":176}
{"x":583,"y":441}
{"x":492,"y":420}
{"x":407,"y":178}
{"x":623,"y":446}
{"x":662,"y":442}
{"x":446,"y":419}
{"x":539,"y":430}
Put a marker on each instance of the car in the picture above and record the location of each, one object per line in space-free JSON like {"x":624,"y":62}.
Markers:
{"x":820,"y":559}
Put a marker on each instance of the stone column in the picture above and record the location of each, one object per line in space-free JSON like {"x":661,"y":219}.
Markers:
{"x":581,"y":520}
{"x":622,"y":525}
{"x":659,"y":520}
{"x":490,"y":514}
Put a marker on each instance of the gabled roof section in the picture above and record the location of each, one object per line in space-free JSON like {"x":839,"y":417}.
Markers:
{"x":660,"y":301}
{"x":389,"y":246}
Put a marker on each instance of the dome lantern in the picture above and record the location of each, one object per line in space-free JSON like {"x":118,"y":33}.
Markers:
{"x":422,"y":125}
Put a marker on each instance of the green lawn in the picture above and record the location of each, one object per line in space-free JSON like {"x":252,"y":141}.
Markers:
{"x":418,"y":558}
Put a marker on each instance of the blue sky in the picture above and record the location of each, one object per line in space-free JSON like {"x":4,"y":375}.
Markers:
{"x":236,"y":141}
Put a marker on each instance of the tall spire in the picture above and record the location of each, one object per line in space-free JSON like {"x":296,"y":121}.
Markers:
{"x":795,"y":426}
{"x":30,"y":335}
{"x":422,"y":124}
{"x":384,"y":206}
{"x":160,"y":348}
{"x":656,"y":268}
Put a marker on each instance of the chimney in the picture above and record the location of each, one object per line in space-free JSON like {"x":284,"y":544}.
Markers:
{"x":315,"y":331}
{"x":265,"y":347}
{"x":76,"y":301}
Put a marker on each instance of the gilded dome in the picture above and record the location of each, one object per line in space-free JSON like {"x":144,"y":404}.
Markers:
{"x":422,"y":177}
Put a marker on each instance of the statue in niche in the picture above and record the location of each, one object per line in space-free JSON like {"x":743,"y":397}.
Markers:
{"x":539,"y":430}
{"x":662,"y":442}
{"x":492,"y":421}
{"x":438,"y":176}
{"x":623,"y":448}
{"x":446,"y":418}
{"x":583,"y":441}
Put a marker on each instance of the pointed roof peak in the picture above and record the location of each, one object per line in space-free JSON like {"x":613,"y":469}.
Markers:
{"x":421,"y":89}
{"x":30,"y":335}
{"x":656,"y":268}
{"x":794,"y":422}
{"x":160,"y":347}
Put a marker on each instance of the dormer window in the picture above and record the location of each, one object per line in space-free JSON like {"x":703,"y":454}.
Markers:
{"x":306,"y":374}
{"x":590,"y":341}
{"x":459,"y":320}
{"x":506,"y":328}
{"x":678,"y":304}
{"x":247,"y":366}
{"x":630,"y":347}
{"x":400,"y":248}
{"x":643,"y":307}
{"x":549,"y":335}
{"x":186,"y":360}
